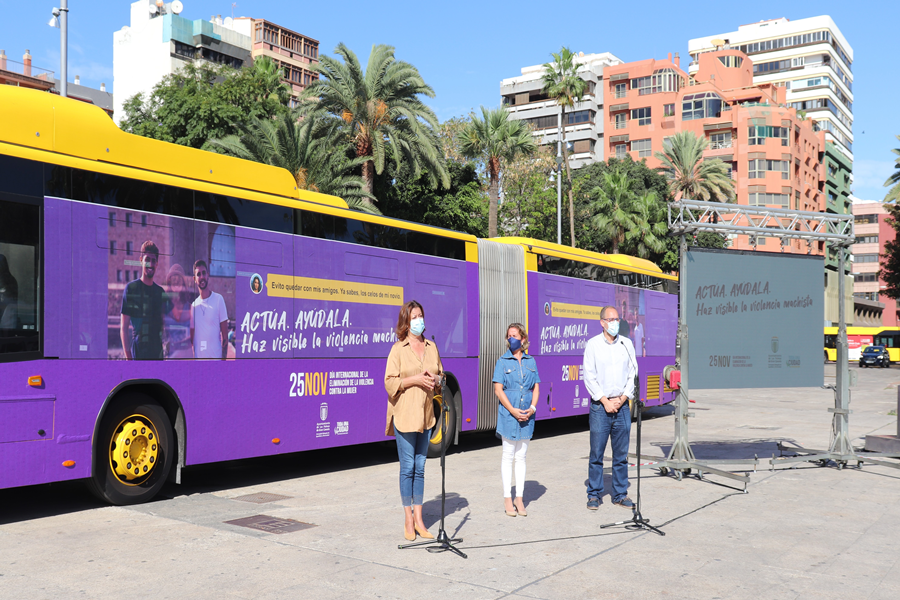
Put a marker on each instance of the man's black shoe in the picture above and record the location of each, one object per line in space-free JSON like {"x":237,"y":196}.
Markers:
{"x":624,"y":502}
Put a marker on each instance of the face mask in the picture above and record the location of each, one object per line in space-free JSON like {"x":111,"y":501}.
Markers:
{"x":417,"y":326}
{"x":612,"y":328}
{"x":514,"y":344}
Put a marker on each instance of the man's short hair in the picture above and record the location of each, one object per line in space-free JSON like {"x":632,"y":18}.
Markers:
{"x":604,"y":310}
{"x":200,"y":263}
{"x":149,"y":247}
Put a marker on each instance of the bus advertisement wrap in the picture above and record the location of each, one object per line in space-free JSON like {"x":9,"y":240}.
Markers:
{"x":754,"y":319}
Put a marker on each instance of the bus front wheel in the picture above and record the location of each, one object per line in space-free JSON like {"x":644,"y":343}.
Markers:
{"x":445,"y":422}
{"x":134,"y":451}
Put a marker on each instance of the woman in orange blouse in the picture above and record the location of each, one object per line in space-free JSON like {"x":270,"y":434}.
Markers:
{"x":413,"y":373}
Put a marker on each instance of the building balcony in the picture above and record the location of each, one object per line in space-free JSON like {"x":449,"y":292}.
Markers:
{"x":618,"y":124}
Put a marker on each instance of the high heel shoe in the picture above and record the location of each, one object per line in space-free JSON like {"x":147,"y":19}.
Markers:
{"x":510,"y":513}
{"x":424,"y":533}
{"x":409,"y":536}
{"x":522,"y":512}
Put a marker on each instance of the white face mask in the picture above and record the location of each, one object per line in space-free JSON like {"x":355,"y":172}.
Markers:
{"x":612,"y":328}
{"x":417,"y":326}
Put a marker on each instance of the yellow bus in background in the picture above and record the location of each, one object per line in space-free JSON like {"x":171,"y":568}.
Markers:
{"x":860,"y":337}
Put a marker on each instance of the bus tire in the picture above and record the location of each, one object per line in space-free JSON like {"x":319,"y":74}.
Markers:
{"x":134,"y":421}
{"x":443,"y":435}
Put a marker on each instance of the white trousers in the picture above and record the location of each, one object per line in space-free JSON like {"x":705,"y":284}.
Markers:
{"x":513,"y":453}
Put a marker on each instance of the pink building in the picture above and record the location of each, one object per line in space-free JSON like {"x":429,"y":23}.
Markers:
{"x":871,"y":306}
{"x":774,"y":156}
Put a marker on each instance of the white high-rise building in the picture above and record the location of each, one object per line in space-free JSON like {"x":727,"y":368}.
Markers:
{"x":809,"y":56}
{"x":525,"y":100}
{"x":158,"y":41}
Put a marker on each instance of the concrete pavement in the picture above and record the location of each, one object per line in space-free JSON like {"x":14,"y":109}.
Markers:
{"x":805,"y":532}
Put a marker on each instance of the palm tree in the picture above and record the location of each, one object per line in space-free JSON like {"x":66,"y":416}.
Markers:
{"x":613,"y":207}
{"x":648,"y":231}
{"x":270,"y":76}
{"x":894,"y":179}
{"x":495,"y":138}
{"x":310,"y":150}
{"x":561,"y":82}
{"x":689,"y":175}
{"x":381,"y":110}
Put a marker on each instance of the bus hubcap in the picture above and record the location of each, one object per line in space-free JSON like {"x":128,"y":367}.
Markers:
{"x":134,"y":450}
{"x":437,"y":434}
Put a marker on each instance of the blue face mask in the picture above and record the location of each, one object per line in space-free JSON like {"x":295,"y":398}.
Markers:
{"x":417,"y":326}
{"x":612,"y":328}
{"x":514,"y":344}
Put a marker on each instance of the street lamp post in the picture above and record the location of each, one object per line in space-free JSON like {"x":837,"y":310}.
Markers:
{"x":559,"y":162}
{"x":61,"y":20}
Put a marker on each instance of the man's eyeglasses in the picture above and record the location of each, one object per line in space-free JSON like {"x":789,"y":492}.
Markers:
{"x":616,"y":320}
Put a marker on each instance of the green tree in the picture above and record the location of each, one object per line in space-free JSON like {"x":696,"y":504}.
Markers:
{"x":529,"y":197}
{"x":613,"y":207}
{"x":494,"y":139}
{"x":562,"y":83}
{"x":461,"y":207}
{"x":649,"y":228}
{"x":202,"y":101}
{"x":689,"y":175}
{"x":381,"y":109}
{"x":890,"y":260}
{"x":311,"y":150}
{"x":894,"y":179}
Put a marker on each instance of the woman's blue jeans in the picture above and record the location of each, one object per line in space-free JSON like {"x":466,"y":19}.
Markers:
{"x":412,"y":449}
{"x":615,"y":427}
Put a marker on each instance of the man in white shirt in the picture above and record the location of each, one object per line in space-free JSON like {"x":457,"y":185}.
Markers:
{"x":209,"y":318}
{"x":638,"y":337}
{"x":610,"y":367}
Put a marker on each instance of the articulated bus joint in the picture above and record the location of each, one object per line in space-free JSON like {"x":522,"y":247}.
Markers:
{"x":168,"y":399}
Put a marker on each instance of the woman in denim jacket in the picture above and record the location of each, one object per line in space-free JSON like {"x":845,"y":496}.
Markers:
{"x":516,"y":386}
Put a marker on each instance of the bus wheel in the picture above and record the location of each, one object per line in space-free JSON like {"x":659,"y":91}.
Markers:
{"x":445,"y":429}
{"x":133,"y":452}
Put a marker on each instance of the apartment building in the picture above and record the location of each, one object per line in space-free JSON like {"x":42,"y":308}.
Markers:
{"x":291,"y":51}
{"x":810,"y":57}
{"x":523,"y":97}
{"x":872,"y":307}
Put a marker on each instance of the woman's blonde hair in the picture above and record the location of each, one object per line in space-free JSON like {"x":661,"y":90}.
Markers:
{"x":522,"y":333}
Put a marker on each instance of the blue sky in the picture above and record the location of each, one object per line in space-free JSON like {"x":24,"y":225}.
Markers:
{"x":463,"y":48}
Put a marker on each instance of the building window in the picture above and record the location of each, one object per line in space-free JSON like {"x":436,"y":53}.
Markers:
{"x":662,"y":80}
{"x":668,"y":110}
{"x":143,"y":220}
{"x":865,"y":277}
{"x":758,"y":168}
{"x":642,"y":147}
{"x":129,"y":248}
{"x":135,"y":274}
{"x":550,"y":121}
{"x":720,"y":140}
{"x":757,"y":134}
{"x":765,"y":199}
{"x":621,"y":121}
{"x":112,"y":219}
{"x":621,"y":151}
{"x":641,"y":115}
{"x":865,"y":258}
{"x":112,"y":246}
{"x":127,"y":219}
{"x":865,"y":219}
{"x":731,"y":61}
{"x":873,"y":296}
{"x":796,"y":200}
{"x":621,"y":90}
{"x":119,"y":275}
{"x":580,"y":116}
{"x":127,"y":275}
{"x":701,"y":106}
{"x":866,"y":239}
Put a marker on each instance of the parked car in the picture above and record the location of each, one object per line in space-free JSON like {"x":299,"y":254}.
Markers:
{"x":874,"y":355}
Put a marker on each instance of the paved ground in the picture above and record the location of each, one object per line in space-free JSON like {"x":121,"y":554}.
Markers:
{"x":807,"y":532}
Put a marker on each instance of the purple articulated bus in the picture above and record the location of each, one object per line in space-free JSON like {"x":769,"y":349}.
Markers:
{"x":162,"y":307}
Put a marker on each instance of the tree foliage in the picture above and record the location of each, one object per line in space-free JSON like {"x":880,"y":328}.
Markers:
{"x":689,"y":175}
{"x":312,"y":150}
{"x":890,"y":260}
{"x":202,"y":101}
{"x":893,"y":194}
{"x":529,"y":197}
{"x":562,"y":83}
{"x":382,"y":110}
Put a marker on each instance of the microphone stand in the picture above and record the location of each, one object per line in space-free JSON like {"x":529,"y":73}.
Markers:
{"x":637,"y":520}
{"x":442,"y":542}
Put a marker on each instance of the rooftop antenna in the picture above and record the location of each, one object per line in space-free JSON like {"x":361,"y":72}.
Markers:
{"x":177,"y":7}
{"x":233,"y":6}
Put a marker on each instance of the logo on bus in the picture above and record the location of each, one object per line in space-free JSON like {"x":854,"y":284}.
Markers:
{"x":323,"y":411}
{"x":572,"y":373}
{"x":342,"y":428}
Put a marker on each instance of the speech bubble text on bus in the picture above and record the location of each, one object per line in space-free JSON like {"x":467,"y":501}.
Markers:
{"x":311,"y":288}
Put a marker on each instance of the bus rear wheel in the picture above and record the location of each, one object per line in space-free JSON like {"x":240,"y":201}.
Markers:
{"x":445,"y":428}
{"x":134,"y":451}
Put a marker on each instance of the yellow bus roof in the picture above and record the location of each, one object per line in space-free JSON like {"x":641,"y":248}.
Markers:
{"x":616,"y":261}
{"x":851,"y":330}
{"x":45,"y":121}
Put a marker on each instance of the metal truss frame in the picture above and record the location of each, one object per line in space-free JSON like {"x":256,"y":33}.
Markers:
{"x":690,"y":217}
